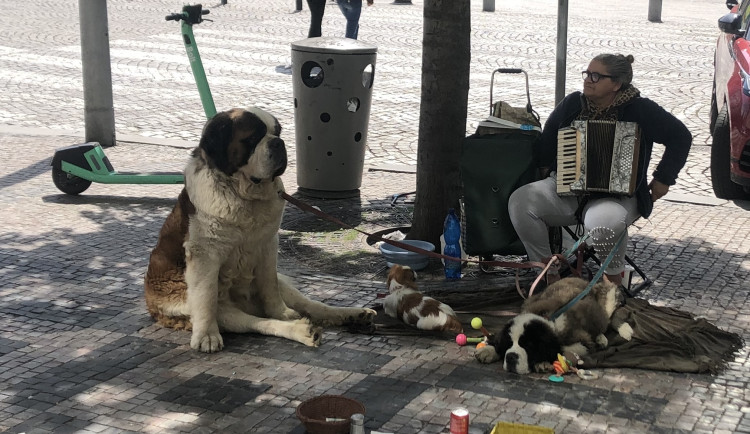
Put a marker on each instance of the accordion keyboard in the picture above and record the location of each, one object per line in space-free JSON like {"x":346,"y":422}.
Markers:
{"x":568,"y":159}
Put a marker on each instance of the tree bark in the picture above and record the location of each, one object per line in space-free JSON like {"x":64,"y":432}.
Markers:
{"x":446,"y":56}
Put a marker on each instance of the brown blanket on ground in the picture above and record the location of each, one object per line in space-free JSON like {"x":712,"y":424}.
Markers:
{"x":664,"y":339}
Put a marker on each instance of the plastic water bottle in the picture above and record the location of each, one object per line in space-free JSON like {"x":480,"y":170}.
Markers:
{"x":452,"y":234}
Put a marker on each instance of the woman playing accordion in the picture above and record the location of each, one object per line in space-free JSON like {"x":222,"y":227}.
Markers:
{"x":608,"y":97}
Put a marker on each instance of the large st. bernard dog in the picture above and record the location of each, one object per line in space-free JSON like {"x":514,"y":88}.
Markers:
{"x":530,"y":342}
{"x":214,"y":266}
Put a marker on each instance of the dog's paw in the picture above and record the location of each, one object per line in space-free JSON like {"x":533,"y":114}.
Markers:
{"x":284,"y":314}
{"x":357,"y":318}
{"x":577,"y":348}
{"x":543,"y":367}
{"x":486,"y":354}
{"x":363,"y":323}
{"x":364,"y":316}
{"x":307,"y":333}
{"x":602,"y":341}
{"x":625,"y":331}
{"x":207,"y":341}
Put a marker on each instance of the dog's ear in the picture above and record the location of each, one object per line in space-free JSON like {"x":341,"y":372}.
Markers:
{"x":501,"y":341}
{"x":545,"y":345}
{"x":217,"y":135}
{"x":392,"y":274}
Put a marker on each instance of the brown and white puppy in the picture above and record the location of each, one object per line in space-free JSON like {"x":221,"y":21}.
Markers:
{"x":530,"y":341}
{"x":214,"y":266}
{"x":406,"y":303}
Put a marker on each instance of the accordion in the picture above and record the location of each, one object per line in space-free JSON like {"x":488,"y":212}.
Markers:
{"x":598,"y":156}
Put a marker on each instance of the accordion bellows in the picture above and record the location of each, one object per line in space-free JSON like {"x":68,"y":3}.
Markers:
{"x":598,"y":156}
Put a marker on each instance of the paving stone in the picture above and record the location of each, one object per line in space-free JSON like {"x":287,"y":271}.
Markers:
{"x":213,"y":393}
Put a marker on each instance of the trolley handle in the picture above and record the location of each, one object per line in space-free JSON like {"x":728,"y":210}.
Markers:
{"x":511,"y":71}
{"x":191,"y":14}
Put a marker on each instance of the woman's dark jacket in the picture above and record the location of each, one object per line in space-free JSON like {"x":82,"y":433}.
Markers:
{"x":656,"y":124}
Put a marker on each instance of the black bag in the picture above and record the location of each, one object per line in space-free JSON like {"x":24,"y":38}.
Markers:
{"x":492,"y":167}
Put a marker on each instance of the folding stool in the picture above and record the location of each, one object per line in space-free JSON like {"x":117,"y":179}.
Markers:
{"x":589,"y":253}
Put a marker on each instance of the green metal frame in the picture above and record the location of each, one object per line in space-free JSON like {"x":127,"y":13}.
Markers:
{"x":100,"y":173}
{"x":196,"y":65}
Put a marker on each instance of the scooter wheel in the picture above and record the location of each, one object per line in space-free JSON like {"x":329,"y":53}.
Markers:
{"x":67,"y":183}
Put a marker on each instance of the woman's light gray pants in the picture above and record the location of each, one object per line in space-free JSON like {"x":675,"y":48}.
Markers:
{"x":536,"y":206}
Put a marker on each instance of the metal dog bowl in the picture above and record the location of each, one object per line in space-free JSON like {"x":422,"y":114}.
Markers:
{"x":396,"y":255}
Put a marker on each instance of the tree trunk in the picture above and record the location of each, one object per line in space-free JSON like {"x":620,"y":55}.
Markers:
{"x":446,"y":56}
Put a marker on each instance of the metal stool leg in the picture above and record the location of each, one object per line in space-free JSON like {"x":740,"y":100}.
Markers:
{"x":645,"y":281}
{"x":630,"y":292}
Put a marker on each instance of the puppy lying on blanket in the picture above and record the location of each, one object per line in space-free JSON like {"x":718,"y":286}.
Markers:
{"x":531,"y":342}
{"x":409,"y":305}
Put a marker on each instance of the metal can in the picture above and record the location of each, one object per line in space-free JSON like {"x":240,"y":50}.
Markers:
{"x":357,"y":424}
{"x":460,"y":421}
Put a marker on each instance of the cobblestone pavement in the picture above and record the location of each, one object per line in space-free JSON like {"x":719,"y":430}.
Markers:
{"x":78,"y":353}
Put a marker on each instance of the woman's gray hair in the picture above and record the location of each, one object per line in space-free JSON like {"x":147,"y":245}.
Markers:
{"x":618,"y":66}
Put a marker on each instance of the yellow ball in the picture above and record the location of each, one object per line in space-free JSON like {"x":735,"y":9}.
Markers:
{"x":476,"y":323}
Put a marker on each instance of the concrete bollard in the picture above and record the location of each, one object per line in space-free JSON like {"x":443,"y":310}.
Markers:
{"x":654,"y":11}
{"x":98,"y":106}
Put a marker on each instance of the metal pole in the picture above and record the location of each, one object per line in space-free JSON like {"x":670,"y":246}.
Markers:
{"x":298,"y":4}
{"x":654,"y":11}
{"x":99,"y":113}
{"x":562,"y":50}
{"x":488,"y":6}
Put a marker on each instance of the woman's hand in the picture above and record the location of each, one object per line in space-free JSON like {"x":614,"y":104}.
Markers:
{"x":658,"y":190}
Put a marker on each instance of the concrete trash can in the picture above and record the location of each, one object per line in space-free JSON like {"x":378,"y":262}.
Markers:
{"x":332,"y":83}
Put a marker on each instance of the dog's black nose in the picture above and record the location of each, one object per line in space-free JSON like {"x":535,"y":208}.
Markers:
{"x":277,"y":149}
{"x":511,"y":358}
{"x":511,"y":362}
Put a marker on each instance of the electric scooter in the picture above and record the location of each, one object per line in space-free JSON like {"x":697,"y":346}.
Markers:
{"x":75,"y":167}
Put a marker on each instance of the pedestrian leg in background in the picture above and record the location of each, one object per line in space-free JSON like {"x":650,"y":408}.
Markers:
{"x":351,"y":10}
{"x":317,"y":9}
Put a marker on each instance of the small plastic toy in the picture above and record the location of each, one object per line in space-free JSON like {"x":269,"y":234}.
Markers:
{"x":462,"y":339}
{"x":563,"y":365}
{"x":476,"y":324}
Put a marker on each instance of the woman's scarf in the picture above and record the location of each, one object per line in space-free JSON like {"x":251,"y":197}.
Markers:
{"x":609,"y":113}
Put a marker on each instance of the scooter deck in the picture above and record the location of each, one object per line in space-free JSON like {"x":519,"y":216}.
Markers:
{"x":89,"y":162}
{"x":148,"y":173}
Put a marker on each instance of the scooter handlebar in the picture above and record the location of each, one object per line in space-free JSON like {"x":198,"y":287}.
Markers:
{"x":190,"y":13}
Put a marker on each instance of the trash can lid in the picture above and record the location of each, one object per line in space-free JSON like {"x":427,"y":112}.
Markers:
{"x":333,"y":45}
